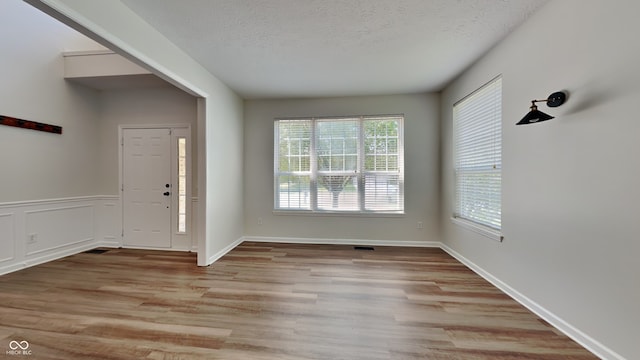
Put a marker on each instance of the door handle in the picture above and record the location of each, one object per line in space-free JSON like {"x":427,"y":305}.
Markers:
{"x":166,"y":193}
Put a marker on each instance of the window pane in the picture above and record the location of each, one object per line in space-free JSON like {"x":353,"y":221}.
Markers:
{"x":182,"y":185}
{"x":293,"y":192}
{"x":336,"y":142}
{"x":392,"y":163}
{"x":381,"y":163}
{"x":338,"y":192}
{"x":382,"y":192}
{"x":182,"y":149}
{"x":392,"y":145}
{"x":381,"y":144}
{"x":294,"y":145}
{"x":476,"y":196}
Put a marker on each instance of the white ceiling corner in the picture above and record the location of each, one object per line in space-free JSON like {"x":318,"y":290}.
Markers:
{"x":316,"y":48}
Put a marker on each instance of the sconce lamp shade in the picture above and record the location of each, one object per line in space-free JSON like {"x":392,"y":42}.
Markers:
{"x":535,"y":116}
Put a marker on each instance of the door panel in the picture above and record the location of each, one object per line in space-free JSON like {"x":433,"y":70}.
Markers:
{"x":146,"y":188}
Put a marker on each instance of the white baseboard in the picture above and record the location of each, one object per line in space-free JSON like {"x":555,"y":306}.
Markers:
{"x":154,"y":248}
{"x":402,"y":243}
{"x":51,"y":256}
{"x":213,"y":258}
{"x":110,"y":241}
{"x":578,"y":336}
{"x":109,"y":244}
{"x":68,"y":251}
{"x":12,"y":268}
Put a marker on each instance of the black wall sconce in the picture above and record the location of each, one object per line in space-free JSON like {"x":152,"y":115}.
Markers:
{"x":534,"y":116}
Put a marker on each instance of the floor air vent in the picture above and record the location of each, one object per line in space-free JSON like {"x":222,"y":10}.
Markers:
{"x":366,"y":248}
{"x":96,"y":251}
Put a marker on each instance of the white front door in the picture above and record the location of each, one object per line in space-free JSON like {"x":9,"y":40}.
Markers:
{"x":146,"y":188}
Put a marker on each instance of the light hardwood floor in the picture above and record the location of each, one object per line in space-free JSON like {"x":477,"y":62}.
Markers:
{"x":269,"y":301}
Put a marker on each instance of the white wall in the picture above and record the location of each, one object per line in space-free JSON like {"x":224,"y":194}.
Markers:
{"x":38,"y":165}
{"x":421,"y":170}
{"x":219,"y":126}
{"x":570,"y":184}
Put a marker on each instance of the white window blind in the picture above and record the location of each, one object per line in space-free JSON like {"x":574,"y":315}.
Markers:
{"x":347,"y":164}
{"x":478,"y":156}
{"x":293,"y":165}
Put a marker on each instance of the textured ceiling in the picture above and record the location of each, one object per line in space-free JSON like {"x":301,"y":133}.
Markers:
{"x":313,"y":48}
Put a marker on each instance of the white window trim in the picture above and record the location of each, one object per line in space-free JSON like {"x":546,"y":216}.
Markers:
{"x":485,"y":231}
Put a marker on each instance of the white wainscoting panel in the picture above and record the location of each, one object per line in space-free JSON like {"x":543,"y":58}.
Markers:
{"x":108,"y":221}
{"x":49,"y":229}
{"x":7,"y":238}
{"x":34,"y":232}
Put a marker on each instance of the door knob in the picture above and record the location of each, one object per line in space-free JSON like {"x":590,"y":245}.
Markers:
{"x":166,"y":193}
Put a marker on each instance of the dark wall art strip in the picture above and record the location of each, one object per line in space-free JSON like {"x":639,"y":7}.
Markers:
{"x":27,"y":124}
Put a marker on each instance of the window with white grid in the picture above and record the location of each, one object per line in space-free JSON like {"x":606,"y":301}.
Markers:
{"x":478,"y":156}
{"x":346,"y":164}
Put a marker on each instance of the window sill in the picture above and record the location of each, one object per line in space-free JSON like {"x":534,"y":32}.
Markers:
{"x":337,"y":213}
{"x":479,"y":229}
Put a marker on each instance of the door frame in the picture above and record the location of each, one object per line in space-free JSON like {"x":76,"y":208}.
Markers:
{"x":179,"y":241}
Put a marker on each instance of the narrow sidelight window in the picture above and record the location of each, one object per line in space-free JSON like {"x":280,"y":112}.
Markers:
{"x":182,"y":185}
